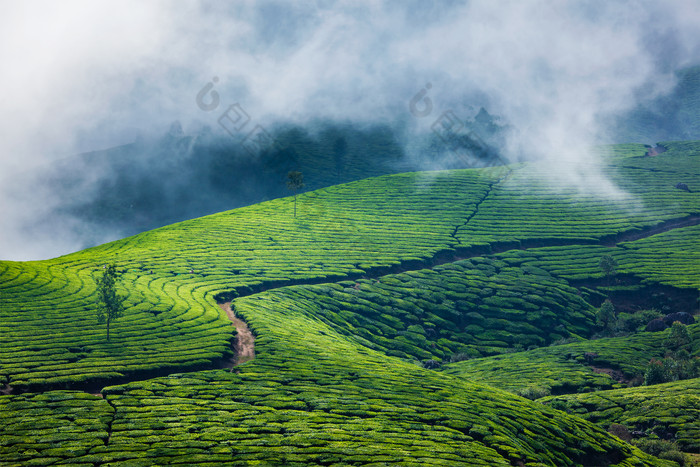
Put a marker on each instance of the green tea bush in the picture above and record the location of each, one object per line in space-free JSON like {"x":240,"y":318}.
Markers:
{"x":633,"y":322}
{"x":534,"y":392}
{"x":662,"y":449}
{"x":672,"y":369}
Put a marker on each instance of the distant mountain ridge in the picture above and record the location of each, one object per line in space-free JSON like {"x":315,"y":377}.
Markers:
{"x":672,"y":117}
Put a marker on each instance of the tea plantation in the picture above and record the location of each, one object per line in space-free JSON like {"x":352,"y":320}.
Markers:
{"x":666,"y":411}
{"x":668,"y":258}
{"x":569,"y":368}
{"x":49,"y":334}
{"x":313,"y":397}
{"x":475,"y":307}
{"x":352,"y":303}
{"x":526,"y":210}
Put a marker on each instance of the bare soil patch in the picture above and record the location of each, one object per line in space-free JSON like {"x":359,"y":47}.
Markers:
{"x":244,"y":344}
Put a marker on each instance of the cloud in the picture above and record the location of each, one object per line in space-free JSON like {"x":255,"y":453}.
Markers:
{"x":84,"y":75}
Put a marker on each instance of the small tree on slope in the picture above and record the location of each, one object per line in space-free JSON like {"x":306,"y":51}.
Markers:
{"x":609,"y":266}
{"x":606,"y":315}
{"x":295,"y":182}
{"x":110,"y":305}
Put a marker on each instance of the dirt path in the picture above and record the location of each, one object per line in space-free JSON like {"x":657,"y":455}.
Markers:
{"x":245,"y":341}
{"x":632,"y":235}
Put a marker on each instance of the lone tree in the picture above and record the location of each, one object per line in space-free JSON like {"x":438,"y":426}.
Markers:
{"x":606,"y":315}
{"x":608,"y":264}
{"x":679,"y":337}
{"x":110,"y":305}
{"x":295,"y":182}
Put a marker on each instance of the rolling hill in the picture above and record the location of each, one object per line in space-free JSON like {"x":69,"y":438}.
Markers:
{"x":357,"y":306}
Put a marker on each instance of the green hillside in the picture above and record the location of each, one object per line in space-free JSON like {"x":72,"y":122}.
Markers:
{"x":353,"y":304}
{"x":462,"y":307}
{"x":664,"y":410}
{"x":171,"y":275}
{"x":570,"y":368}
{"x":310,"y":396}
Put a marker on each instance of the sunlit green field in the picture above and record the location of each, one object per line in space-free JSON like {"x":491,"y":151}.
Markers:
{"x":355,"y":304}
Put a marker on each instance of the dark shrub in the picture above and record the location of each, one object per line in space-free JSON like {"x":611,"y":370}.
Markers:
{"x":534,"y":392}
{"x":688,"y":368}
{"x":431,"y":364}
{"x":662,"y":449}
{"x":681,"y":316}
{"x":459,"y":357}
{"x":631,"y":322}
{"x":679,"y":337}
{"x":621,"y":431}
{"x":682,"y":186}
{"x":671,"y":369}
{"x":656,"y":325}
{"x":605,"y":317}
{"x":590,"y":357}
{"x":638,"y":380}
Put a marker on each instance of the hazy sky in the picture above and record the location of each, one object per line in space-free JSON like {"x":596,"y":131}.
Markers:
{"x":85,"y":75}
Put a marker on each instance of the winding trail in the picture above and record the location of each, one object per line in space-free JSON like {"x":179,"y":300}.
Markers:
{"x":244,"y":344}
{"x":632,"y":235}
